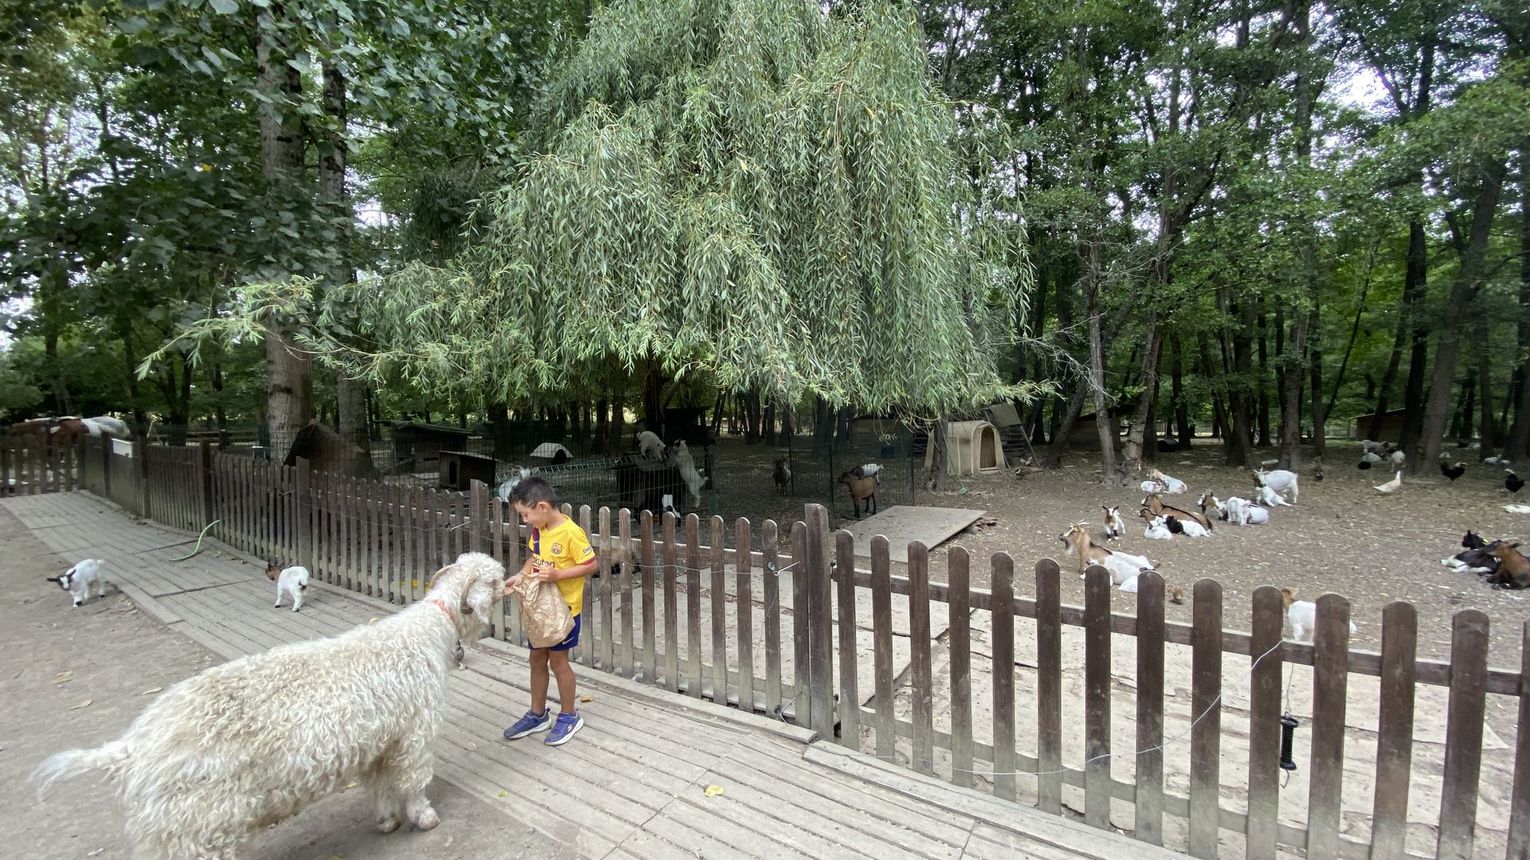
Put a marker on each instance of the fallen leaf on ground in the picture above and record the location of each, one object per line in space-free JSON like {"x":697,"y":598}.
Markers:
{"x":63,"y":677}
{"x":84,"y":704}
{"x":503,"y":793}
{"x":713,"y":790}
{"x":151,"y":690}
{"x":586,"y":698}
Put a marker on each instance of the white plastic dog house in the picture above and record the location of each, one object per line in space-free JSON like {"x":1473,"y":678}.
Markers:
{"x":972,"y":448}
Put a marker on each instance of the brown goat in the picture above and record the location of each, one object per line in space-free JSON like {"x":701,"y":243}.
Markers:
{"x":1155,"y":504}
{"x":1513,"y":568}
{"x":861,"y":490}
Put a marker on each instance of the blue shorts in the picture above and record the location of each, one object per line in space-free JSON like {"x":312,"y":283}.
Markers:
{"x":568,"y":642}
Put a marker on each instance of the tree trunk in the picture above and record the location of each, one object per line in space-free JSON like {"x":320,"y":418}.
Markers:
{"x":1415,"y":287}
{"x":1518,"y":446}
{"x":1354,"y":334}
{"x":938,"y":481}
{"x":1487,"y":431}
{"x":1075,"y":407}
{"x":1177,"y":392}
{"x":1315,"y":367}
{"x":1102,"y":423}
{"x":1461,"y":293}
{"x":1264,"y":378}
{"x":289,"y":373}
{"x":1143,"y":433}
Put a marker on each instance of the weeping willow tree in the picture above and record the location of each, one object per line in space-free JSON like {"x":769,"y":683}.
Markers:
{"x":754,"y":190}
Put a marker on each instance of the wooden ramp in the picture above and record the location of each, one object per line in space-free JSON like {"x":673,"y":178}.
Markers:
{"x":903,"y":523}
{"x":634,"y":782}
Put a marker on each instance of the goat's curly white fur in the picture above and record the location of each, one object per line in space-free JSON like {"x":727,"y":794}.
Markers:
{"x":246,"y":744}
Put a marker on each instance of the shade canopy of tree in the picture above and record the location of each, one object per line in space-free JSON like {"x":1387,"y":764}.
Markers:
{"x":1247,"y":220}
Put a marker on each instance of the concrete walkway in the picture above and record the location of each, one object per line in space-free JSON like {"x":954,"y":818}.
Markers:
{"x":634,"y":782}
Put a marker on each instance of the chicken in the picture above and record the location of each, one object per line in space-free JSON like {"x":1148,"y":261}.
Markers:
{"x":1512,"y":482}
{"x":1452,"y":470}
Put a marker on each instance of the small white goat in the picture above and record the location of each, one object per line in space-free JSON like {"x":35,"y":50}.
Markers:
{"x":1281,"y":481}
{"x":1303,"y":616}
{"x":1152,"y":488}
{"x":81,"y":579}
{"x":1270,"y":499}
{"x":650,"y":445}
{"x":1115,"y":527}
{"x":1245,"y":513}
{"x":1158,"y":529}
{"x":291,"y":581}
{"x":226,"y":753}
{"x":694,"y":479}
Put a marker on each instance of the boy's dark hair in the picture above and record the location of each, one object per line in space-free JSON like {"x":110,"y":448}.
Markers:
{"x":533,"y":491}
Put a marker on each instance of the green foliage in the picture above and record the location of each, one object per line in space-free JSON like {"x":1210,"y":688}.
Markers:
{"x":775,"y":199}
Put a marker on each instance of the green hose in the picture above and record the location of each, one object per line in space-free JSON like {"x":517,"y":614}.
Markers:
{"x":198,"y":548}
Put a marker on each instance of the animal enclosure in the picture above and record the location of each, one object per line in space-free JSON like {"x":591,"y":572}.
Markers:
{"x":1169,"y":731}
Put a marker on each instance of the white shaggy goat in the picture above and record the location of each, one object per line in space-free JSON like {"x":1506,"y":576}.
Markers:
{"x":238,"y":747}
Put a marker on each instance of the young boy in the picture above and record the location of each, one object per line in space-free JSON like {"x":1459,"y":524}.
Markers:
{"x":561,"y":553}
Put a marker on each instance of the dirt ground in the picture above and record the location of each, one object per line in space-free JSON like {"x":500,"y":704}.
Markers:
{"x":78,"y":677}
{"x":1341,"y":537}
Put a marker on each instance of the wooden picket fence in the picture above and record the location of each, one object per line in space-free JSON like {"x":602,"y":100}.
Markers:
{"x":770,"y":620}
{"x":32,"y":466}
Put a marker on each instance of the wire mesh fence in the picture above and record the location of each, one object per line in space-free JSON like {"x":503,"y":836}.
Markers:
{"x":737,"y":477}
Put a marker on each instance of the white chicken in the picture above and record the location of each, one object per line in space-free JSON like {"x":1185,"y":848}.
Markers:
{"x":1391,"y":486}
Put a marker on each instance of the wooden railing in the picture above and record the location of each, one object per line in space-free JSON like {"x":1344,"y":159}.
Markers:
{"x":1166,"y":730}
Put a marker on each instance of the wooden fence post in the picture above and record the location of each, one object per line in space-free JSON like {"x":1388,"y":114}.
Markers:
{"x":106,"y":467}
{"x":303,"y":508}
{"x":820,"y":674}
{"x":141,"y":472}
{"x":205,"y":473}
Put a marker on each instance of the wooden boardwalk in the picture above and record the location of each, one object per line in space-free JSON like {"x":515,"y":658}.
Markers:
{"x":633,"y":783}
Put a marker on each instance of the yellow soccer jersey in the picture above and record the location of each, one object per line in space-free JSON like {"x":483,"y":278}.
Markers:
{"x":564,"y":545}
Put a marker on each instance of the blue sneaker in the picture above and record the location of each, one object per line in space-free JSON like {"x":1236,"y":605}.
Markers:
{"x":528,"y":724}
{"x":564,"y":729}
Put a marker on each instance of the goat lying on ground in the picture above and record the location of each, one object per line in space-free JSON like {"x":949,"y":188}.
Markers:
{"x":1121,"y":566}
{"x":861,"y":490}
{"x":1245,"y":513}
{"x":238,"y":747}
{"x":1157,"y":527}
{"x":1170,"y":485}
{"x":1513,"y":568}
{"x":1155,"y":504}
